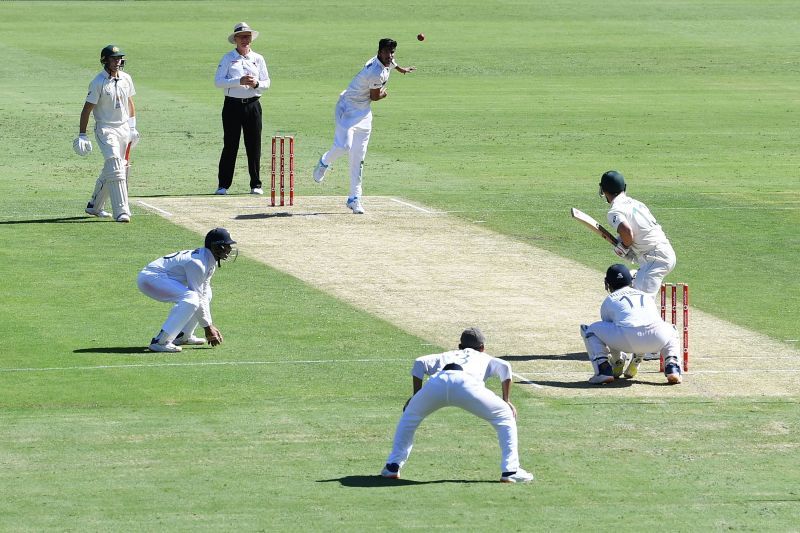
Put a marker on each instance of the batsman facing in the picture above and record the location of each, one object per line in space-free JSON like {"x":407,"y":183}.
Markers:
{"x":110,"y":100}
{"x":184,"y":278}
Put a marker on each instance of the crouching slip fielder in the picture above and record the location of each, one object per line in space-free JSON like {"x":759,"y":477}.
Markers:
{"x":110,"y":99}
{"x":630,"y":322}
{"x":353,"y":117}
{"x":185,"y":278}
{"x":457,"y":379}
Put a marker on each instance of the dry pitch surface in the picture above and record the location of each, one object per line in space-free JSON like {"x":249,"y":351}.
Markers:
{"x":433,"y":274}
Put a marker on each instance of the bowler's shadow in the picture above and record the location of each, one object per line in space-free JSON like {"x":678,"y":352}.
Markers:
{"x":115,"y":349}
{"x":376,"y":481}
{"x":284,"y":214}
{"x":59,"y":220}
{"x":575,"y":356}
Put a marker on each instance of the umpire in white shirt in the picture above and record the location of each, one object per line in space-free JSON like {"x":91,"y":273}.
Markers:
{"x":242,"y":75}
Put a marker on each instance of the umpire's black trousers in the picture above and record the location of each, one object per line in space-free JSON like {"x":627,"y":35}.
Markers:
{"x":240,"y":116}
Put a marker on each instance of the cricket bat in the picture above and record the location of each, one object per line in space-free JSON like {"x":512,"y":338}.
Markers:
{"x":593,"y":225}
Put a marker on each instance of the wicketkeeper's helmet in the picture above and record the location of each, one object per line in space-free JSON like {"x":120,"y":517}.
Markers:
{"x":618,"y":276}
{"x":219,"y":241}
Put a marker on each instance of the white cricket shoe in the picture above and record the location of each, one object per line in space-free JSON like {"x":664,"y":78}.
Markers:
{"x":633,"y":366}
{"x":355,"y":205}
{"x":191,"y":340}
{"x":618,"y":364}
{"x":124,"y":217}
{"x":520,"y":476}
{"x":673,"y":373}
{"x":221,"y":191}
{"x":320,"y":170}
{"x":90,"y":210}
{"x":257,"y":190}
{"x":156,"y":346}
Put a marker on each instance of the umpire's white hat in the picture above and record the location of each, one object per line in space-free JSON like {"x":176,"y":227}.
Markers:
{"x":242,"y":27}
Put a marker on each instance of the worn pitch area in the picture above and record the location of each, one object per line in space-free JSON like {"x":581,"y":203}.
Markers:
{"x":433,"y":274}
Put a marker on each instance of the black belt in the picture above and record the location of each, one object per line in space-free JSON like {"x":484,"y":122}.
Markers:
{"x":452,"y":366}
{"x":243,"y":100}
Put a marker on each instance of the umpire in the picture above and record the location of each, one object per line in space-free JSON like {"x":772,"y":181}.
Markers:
{"x":242,"y":75}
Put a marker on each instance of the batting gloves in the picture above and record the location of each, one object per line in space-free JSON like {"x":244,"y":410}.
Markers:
{"x":82,"y":145}
{"x":134,"y":138}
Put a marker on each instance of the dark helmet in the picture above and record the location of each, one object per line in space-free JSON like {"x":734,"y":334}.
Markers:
{"x":617,"y":276}
{"x":219,"y":241}
{"x":112,"y":50}
{"x":613,"y":182}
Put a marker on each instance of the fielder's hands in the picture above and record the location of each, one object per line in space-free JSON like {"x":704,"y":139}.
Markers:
{"x":621,"y":250}
{"x":513,"y":409}
{"x":213,"y":335}
{"x":82,"y":145}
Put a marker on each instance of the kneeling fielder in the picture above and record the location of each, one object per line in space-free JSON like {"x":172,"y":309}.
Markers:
{"x":631,"y":324}
{"x":184,"y":278}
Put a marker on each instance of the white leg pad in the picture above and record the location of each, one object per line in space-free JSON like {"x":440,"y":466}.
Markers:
{"x":113,"y":177}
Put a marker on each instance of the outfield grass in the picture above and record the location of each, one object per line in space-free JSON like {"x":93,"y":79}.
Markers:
{"x":516,"y":110}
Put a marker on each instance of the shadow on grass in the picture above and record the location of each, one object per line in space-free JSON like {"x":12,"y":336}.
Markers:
{"x":575,"y":356}
{"x":115,"y":349}
{"x":376,"y":481}
{"x":60,"y":220}
{"x":285,"y":214}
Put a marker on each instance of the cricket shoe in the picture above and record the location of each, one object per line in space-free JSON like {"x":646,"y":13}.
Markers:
{"x":124,"y":218}
{"x":182,"y":340}
{"x":604,"y":375}
{"x":90,"y":210}
{"x":257,"y":190}
{"x":633,"y":366}
{"x":320,"y":170}
{"x":520,"y":476}
{"x":673,"y":373}
{"x":618,"y":364}
{"x":391,"y":471}
{"x":355,"y":205}
{"x":156,"y":346}
{"x":221,"y":191}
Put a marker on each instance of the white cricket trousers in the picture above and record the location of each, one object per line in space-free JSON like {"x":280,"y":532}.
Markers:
{"x":458,"y":389}
{"x":351,"y":136}
{"x":653,"y":268}
{"x":185,"y":314}
{"x":605,"y":337}
{"x":111,"y":183}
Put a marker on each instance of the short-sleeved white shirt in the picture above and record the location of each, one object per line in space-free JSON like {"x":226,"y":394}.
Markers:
{"x":110,"y":98}
{"x":374,"y":75}
{"x":647,"y":233}
{"x":477,"y":364}
{"x":630,"y":308}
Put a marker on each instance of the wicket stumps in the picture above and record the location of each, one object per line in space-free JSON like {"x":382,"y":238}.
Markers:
{"x":672,"y":288}
{"x":279,"y":149}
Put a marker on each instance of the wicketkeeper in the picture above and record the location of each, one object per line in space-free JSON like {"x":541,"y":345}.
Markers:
{"x":110,"y":99}
{"x":184,"y":278}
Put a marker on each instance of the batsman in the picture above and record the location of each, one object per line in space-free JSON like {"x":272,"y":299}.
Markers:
{"x":641,"y":239}
{"x":110,"y":99}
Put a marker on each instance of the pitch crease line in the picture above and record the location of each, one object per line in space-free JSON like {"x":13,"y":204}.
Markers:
{"x":154,"y":208}
{"x":413,"y":206}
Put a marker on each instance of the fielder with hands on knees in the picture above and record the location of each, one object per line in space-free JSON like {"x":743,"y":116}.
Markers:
{"x":630,"y":323}
{"x":641,"y":239}
{"x":110,"y":99}
{"x":184,"y":278}
{"x":243,"y":77}
{"x":353,"y":118}
{"x":457,"y":379}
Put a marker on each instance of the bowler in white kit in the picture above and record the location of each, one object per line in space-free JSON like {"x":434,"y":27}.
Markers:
{"x":110,"y":99}
{"x":184,"y":278}
{"x":353,"y":118}
{"x":457,"y":379}
{"x":630,"y":323}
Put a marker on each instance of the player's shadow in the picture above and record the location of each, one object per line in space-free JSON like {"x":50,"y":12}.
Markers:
{"x":285,"y":214}
{"x":115,"y":349}
{"x":584,"y":384}
{"x":59,"y":220}
{"x":376,"y":481}
{"x":575,"y":356}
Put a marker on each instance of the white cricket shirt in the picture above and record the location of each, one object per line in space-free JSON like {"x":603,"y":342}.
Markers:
{"x":233,"y":66}
{"x":110,"y":98}
{"x":477,"y":364}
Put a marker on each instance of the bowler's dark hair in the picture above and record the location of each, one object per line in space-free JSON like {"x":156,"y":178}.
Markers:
{"x":387,"y":44}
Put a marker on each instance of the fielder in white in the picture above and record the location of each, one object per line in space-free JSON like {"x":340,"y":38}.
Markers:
{"x":641,"y":239}
{"x":184,"y":278}
{"x":110,"y":99}
{"x":353,"y":117}
{"x":457,"y":379}
{"x":630,"y":323}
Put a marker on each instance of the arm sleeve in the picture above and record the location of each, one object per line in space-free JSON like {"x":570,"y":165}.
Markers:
{"x":499,"y":368}
{"x":425,"y":365}
{"x":205,"y":304}
{"x":221,"y":79}
{"x":94,"y":92}
{"x":263,"y":76}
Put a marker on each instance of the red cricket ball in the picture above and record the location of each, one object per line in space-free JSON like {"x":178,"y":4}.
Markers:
{"x":421,"y":37}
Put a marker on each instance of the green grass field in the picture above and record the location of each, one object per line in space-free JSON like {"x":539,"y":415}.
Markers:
{"x":516,"y":110}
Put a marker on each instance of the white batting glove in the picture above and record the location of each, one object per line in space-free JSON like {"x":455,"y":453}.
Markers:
{"x":82,"y":145}
{"x":134,"y":138}
{"x":621,"y":250}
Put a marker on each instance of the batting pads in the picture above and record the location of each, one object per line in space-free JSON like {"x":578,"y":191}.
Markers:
{"x":111,"y":183}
